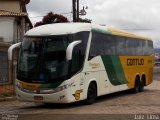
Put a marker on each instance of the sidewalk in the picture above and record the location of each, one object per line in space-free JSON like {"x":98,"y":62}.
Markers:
{"x":155,"y":85}
{"x":4,"y":98}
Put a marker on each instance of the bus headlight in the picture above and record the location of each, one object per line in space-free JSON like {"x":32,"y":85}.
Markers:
{"x":60,"y":88}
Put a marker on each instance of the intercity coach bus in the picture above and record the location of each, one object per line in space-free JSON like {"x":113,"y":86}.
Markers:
{"x":69,"y":62}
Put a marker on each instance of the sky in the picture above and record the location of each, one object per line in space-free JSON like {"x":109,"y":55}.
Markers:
{"x":138,"y":16}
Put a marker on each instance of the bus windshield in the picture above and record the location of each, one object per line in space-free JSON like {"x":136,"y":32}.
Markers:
{"x":43,"y":59}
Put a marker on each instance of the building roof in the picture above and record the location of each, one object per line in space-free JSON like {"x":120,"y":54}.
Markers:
{"x":24,"y":1}
{"x":4,"y":13}
{"x":12,"y":14}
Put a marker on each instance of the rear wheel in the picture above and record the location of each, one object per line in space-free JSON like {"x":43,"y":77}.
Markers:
{"x":136,"y":88}
{"x":141,"y":87}
{"x":91,"y":94}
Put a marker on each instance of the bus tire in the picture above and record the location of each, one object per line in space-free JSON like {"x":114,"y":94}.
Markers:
{"x":91,"y":94}
{"x":136,"y":86}
{"x":141,"y":87}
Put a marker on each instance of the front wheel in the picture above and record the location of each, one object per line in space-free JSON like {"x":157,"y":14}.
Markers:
{"x":91,"y":94}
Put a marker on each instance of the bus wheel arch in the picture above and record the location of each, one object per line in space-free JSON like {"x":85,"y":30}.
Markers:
{"x":91,"y":92}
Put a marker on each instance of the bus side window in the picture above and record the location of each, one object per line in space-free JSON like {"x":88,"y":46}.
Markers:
{"x":94,"y":46}
{"x":121,"y":45}
{"x":110,"y":45}
{"x":150,"y":48}
{"x":102,"y":44}
{"x":138,"y":47}
{"x":76,"y":59}
{"x":130,"y":47}
{"x":79,"y":51}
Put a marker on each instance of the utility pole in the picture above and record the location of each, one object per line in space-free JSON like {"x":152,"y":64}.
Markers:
{"x":77,"y":11}
{"x":74,"y":10}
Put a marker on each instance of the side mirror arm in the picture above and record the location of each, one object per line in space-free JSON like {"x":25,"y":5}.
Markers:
{"x":69,"y":50}
{"x":10,"y":50}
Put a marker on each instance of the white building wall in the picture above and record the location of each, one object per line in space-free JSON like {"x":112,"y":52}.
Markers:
{"x":10,"y":5}
{"x":7,"y":29}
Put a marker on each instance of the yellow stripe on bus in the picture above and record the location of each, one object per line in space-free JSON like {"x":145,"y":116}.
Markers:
{"x":31,"y":86}
{"x":126,"y":34}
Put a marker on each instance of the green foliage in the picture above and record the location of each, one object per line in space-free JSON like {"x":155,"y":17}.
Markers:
{"x":52,"y":18}
{"x":57,"y":18}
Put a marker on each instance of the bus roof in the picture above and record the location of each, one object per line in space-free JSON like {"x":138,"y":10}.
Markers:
{"x":70,"y":28}
{"x":59,"y":29}
{"x":113,"y":31}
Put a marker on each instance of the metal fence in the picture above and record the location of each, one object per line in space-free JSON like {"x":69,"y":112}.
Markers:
{"x":3,"y":68}
{"x":6,"y":88}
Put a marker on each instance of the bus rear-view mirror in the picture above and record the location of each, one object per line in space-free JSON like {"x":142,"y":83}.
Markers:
{"x":69,"y":50}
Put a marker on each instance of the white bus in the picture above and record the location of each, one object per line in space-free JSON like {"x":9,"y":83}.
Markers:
{"x":69,"y":62}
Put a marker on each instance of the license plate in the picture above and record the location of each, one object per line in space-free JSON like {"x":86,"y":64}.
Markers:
{"x":38,"y":97}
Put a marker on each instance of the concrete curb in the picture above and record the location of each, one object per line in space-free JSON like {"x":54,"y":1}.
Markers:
{"x":7,"y":98}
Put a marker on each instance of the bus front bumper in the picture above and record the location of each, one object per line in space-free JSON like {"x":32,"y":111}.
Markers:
{"x":58,"y":97}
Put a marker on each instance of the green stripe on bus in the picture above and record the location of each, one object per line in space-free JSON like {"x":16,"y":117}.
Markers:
{"x":114,"y":70}
{"x":100,"y":31}
{"x":119,"y":70}
{"x":51,"y":85}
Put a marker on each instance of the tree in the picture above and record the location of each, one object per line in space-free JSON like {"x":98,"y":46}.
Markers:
{"x":52,"y":18}
{"x":38,"y":24}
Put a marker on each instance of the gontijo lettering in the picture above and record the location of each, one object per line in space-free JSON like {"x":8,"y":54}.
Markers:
{"x":136,"y":61}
